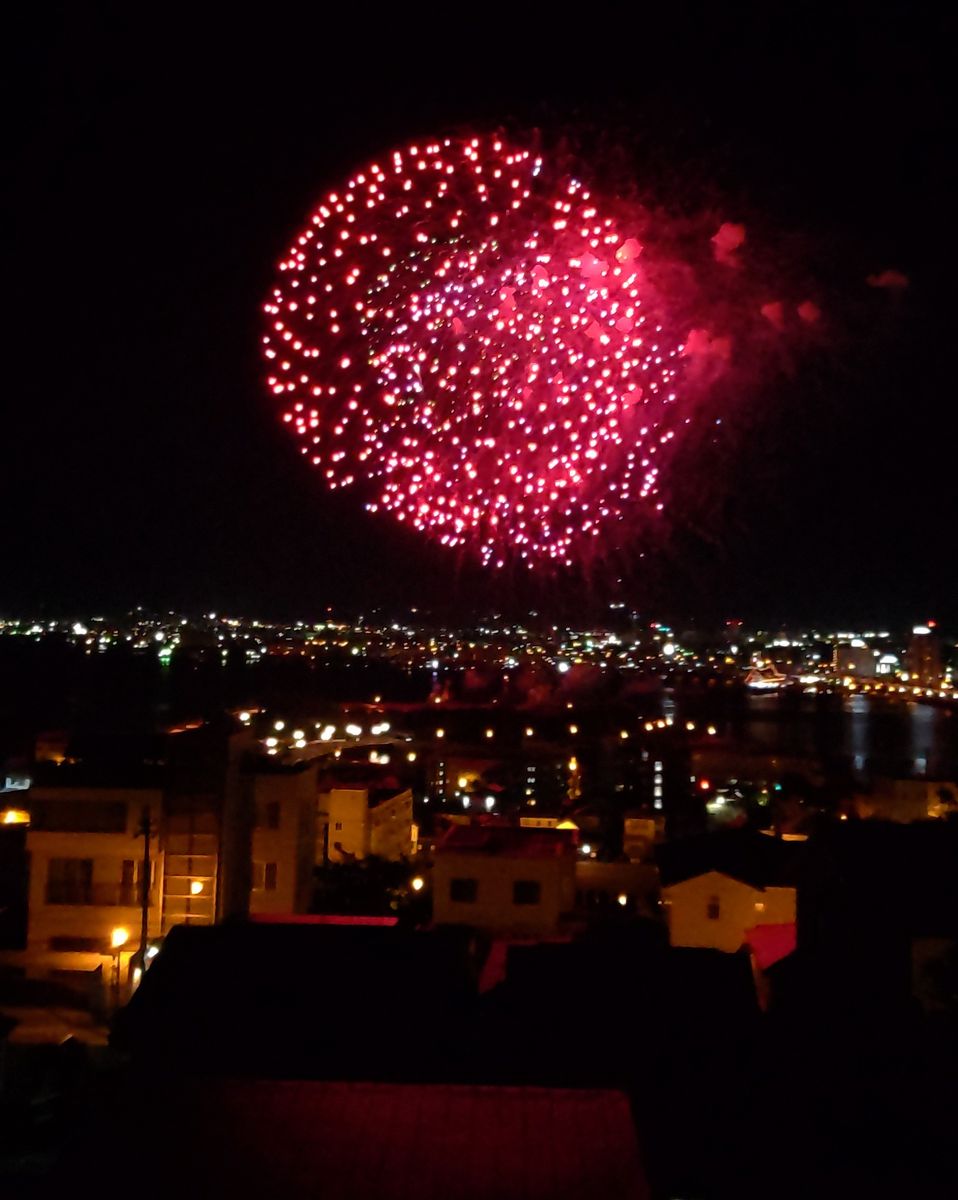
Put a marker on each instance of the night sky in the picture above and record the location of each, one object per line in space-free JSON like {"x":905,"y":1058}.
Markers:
{"x":161,"y":159}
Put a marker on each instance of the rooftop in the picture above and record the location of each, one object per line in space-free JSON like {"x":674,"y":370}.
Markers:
{"x":508,"y":842}
{"x":352,"y":1141}
{"x":741,"y":854}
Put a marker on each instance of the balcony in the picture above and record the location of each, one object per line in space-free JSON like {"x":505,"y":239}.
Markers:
{"x":106,"y":895}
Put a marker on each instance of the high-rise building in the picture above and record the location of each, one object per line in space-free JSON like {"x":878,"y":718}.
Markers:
{"x":923,"y":656}
{"x":855,"y":658}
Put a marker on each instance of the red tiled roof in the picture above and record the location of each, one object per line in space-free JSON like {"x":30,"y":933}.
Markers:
{"x":354,"y":1141}
{"x":508,"y":842}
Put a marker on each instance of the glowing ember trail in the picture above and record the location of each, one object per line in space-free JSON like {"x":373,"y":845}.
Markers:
{"x":463,"y":333}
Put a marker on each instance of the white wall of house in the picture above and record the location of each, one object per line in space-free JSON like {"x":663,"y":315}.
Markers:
{"x":497,"y":905}
{"x":714,"y":911}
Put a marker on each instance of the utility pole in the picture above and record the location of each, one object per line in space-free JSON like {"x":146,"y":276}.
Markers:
{"x":145,"y":872}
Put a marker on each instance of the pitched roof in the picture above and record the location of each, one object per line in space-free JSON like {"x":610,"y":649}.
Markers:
{"x":741,"y":854}
{"x":508,"y":842}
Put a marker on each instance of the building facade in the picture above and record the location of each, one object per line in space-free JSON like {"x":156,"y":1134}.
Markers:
{"x":354,"y":822}
{"x":505,"y":881}
{"x":86,"y":855}
{"x":715,"y":911}
{"x":229,"y":833}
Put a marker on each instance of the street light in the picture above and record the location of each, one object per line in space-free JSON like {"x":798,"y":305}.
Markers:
{"x":417,"y":883}
{"x":118,"y":939}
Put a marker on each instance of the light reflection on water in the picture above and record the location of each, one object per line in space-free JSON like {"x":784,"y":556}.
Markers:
{"x":871,"y":735}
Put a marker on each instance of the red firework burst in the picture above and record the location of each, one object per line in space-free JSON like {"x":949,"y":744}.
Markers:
{"x":465,"y":335}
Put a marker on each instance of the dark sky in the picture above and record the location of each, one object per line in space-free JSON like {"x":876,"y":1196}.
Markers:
{"x":162,"y":156}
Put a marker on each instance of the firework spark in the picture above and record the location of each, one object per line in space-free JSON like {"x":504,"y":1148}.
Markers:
{"x":465,"y":335}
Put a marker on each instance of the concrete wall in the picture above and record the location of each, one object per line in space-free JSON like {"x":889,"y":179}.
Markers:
{"x":291,"y":846}
{"x":740,"y":907}
{"x":494,"y":908}
{"x":356,"y":829}
{"x":345,"y":811}
{"x":108,"y":852}
{"x":391,"y":827}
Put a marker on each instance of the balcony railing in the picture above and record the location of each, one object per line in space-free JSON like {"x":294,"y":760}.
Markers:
{"x":109,"y":895}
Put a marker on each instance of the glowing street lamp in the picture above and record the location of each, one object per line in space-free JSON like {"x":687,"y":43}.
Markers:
{"x":118,"y":939}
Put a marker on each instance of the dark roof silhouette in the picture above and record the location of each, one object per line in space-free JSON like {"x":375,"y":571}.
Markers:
{"x":752,"y":858}
{"x":319,"y":1000}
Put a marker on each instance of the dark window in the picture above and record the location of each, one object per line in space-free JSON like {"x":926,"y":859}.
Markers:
{"x":526,"y":891}
{"x":70,"y":881}
{"x":713,"y":909}
{"x":464,"y":891}
{"x":129,"y":880}
{"x":339,"y":826}
{"x":78,"y":945}
{"x":264,"y":876}
{"x":267,"y":815}
{"x":78,"y":816}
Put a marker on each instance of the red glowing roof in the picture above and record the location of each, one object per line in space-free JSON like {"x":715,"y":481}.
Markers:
{"x":352,"y":1141}
{"x":508,"y":842}
{"x":771,"y":943}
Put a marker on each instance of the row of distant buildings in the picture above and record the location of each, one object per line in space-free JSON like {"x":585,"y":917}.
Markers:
{"x":197,"y":825}
{"x":625,"y":642}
